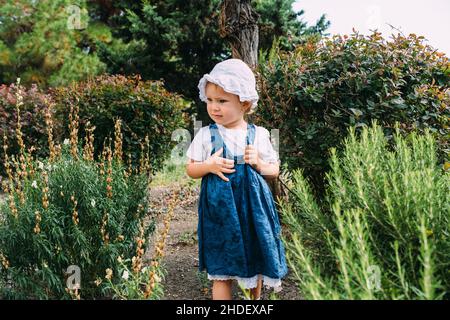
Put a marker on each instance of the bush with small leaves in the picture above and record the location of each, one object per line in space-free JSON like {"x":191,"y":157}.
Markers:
{"x":315,"y":92}
{"x":145,"y":108}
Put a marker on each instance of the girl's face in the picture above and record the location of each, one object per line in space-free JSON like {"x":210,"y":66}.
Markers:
{"x":223,"y":107}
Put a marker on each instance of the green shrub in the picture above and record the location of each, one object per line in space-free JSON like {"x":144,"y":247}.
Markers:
{"x":129,"y":285}
{"x":315,"y":92}
{"x":32,"y":119}
{"x":144,"y":107}
{"x":382,"y":231}
{"x":60,"y":214}
{"x":50,"y":42}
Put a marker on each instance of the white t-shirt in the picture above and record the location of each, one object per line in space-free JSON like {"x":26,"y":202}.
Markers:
{"x":235,"y":142}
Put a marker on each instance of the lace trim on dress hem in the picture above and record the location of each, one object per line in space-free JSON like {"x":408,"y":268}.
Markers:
{"x":252,"y":282}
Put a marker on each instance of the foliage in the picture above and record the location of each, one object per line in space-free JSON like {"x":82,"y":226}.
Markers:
{"x":179,"y":40}
{"x":278,"y":22}
{"x":69,"y":210}
{"x":56,"y":43}
{"x":133,"y":285}
{"x":32,"y":118}
{"x":144,"y":107}
{"x":314,"y":93}
{"x":49,"y":42}
{"x":383,"y":230}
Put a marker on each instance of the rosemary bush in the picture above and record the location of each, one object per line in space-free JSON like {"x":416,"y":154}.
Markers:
{"x":382,"y":231}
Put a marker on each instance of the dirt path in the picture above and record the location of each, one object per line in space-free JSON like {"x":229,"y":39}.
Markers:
{"x":181,"y":253}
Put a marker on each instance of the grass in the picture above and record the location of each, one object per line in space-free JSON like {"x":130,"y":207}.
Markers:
{"x":174,"y":172}
{"x":188,"y":238}
{"x":205,"y":284}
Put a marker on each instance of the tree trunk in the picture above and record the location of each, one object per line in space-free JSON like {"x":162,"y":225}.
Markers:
{"x":239,"y":26}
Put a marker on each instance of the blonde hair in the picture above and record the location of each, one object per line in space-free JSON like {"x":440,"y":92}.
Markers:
{"x":250,"y":110}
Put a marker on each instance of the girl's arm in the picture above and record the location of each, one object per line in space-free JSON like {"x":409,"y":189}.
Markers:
{"x":195,"y":169}
{"x":268,"y":170}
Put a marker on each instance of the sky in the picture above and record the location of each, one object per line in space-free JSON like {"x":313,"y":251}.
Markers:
{"x":430,"y":18}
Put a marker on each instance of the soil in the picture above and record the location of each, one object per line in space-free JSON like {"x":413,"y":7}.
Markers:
{"x":182,"y":280}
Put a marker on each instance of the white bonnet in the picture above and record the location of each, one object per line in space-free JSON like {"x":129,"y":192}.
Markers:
{"x":234,"y":76}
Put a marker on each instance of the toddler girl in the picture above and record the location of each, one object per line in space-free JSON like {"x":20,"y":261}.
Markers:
{"x":238,"y":227}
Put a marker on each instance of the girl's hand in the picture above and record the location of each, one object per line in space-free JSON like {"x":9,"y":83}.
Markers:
{"x":219,"y":165}
{"x":251,"y":156}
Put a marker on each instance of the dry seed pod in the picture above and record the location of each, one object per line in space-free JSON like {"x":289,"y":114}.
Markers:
{"x":75,"y":218}
{"x":118,"y":154}
{"x":88,"y":150}
{"x":45,"y":190}
{"x":109,"y":174}
{"x":37,"y":228}
{"x":49,"y":125}
{"x":73,"y":128}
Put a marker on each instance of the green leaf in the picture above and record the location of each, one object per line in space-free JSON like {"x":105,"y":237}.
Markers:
{"x":358,"y":113}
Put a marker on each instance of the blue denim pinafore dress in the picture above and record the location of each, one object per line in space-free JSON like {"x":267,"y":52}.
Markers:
{"x":238,"y":227}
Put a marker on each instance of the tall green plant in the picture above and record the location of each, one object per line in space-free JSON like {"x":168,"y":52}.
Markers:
{"x":383,"y":230}
{"x":70,"y":212}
